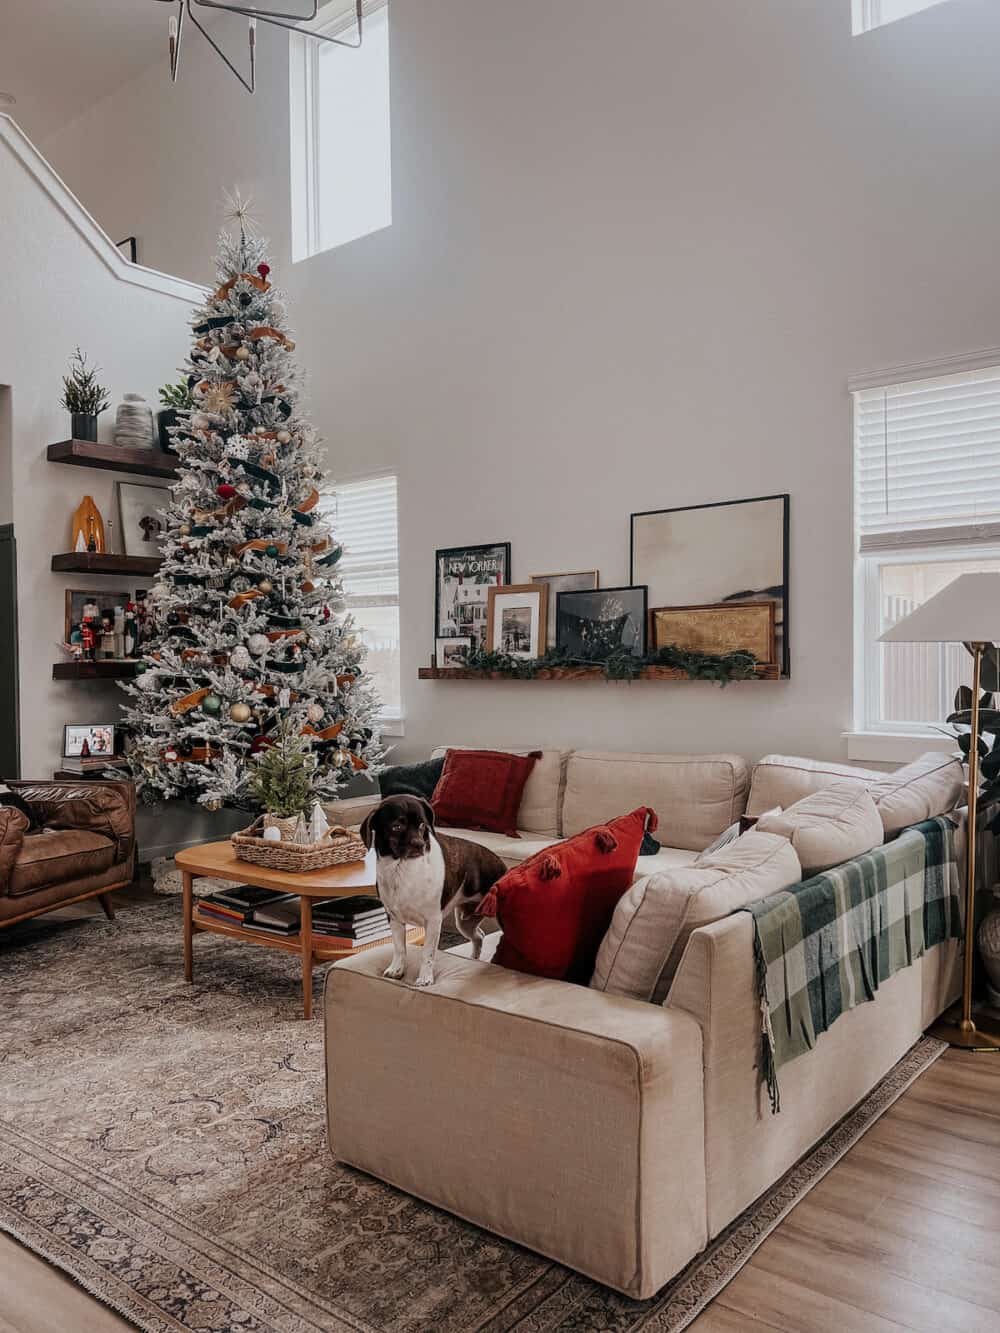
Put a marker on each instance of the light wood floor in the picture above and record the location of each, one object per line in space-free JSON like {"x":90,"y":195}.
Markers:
{"x":904,"y":1233}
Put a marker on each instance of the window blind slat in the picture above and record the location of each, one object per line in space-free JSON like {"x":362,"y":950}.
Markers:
{"x":363,"y":515}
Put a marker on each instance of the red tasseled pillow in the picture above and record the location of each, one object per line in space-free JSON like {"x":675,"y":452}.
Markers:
{"x":482,"y":789}
{"x":555,"y":908}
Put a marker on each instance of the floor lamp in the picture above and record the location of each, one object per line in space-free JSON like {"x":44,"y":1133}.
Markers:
{"x":966,"y":611}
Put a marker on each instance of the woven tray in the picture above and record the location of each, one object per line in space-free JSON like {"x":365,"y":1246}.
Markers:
{"x":339,"y":847}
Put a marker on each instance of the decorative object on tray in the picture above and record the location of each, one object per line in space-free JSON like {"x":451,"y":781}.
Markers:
{"x":83,"y":397}
{"x":338,"y":846}
{"x":87,"y":528}
{"x":464,"y":576}
{"x":175,"y":398}
{"x":134,"y":423}
{"x":720,"y":627}
{"x":733,"y":551}
{"x":142,"y":525}
{"x":448,"y":653}
{"x":600,"y":623}
{"x":582,"y":580}
{"x":517,"y":619}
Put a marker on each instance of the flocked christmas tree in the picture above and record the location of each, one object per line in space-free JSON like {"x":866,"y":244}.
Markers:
{"x":250,"y":637}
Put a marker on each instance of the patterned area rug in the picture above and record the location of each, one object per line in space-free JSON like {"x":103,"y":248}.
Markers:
{"x":164,"y":1144}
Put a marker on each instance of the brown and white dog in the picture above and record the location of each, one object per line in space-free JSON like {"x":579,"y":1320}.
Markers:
{"x":422,"y":876}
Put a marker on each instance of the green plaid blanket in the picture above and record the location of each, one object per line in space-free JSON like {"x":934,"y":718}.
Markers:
{"x":827,"y":944}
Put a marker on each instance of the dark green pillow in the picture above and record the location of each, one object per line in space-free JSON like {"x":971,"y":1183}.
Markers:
{"x":649,"y":845}
{"x":8,"y":797}
{"x":411,"y":779}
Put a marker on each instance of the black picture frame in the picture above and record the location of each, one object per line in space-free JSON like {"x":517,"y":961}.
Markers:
{"x":638,"y":614}
{"x":471,"y":555}
{"x":74,"y":753}
{"x":697,"y":590}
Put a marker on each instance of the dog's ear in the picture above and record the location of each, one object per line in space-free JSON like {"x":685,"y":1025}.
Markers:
{"x":428,"y":810}
{"x":367,"y":830}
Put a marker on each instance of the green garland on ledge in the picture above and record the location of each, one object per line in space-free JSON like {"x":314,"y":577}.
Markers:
{"x":618,"y":665}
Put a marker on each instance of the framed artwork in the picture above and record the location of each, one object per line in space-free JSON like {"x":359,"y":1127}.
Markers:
{"x":721,"y":627}
{"x":516,"y":621}
{"x":96,"y":605}
{"x":82,"y":740}
{"x":606,"y":620}
{"x":141,"y":525}
{"x":735,"y":551}
{"x":464,"y":576}
{"x":580,"y":580}
{"x":447,"y":652}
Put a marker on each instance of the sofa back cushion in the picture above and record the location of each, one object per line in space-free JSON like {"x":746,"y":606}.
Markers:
{"x":783,"y":779}
{"x":828,"y":827}
{"x":931,"y":785}
{"x":653,"y":921}
{"x":694,"y":796}
{"x":542,"y":795}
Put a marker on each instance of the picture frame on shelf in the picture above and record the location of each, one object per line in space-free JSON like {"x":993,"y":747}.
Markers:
{"x":85,"y":740}
{"x":142,"y":527}
{"x":447,"y":652}
{"x":727,"y":551}
{"x":517,"y":619}
{"x":580,"y":580}
{"x":463,"y":577}
{"x":595,"y":623}
{"x":719,"y":628}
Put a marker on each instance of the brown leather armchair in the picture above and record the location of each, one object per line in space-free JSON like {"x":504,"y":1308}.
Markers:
{"x":83,"y":846}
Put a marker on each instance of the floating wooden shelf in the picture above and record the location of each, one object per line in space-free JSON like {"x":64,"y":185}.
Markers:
{"x":86,"y":562}
{"x":579,"y":673}
{"x":116,"y":458}
{"x":107,"y":668}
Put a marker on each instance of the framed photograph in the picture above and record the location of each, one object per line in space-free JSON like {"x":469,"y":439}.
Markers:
{"x":85,"y":740}
{"x":596,"y":624}
{"x":447,"y":652}
{"x":735,"y":551}
{"x":516,"y":623}
{"x":464,"y":576}
{"x":141,"y":525}
{"x":722,"y":627}
{"x":96,"y":605}
{"x":580,"y":580}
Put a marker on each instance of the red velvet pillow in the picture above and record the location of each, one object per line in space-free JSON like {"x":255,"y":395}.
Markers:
{"x":555,"y":908}
{"x":482,"y":789}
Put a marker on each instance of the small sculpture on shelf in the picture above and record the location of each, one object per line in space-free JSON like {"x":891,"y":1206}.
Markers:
{"x":87,"y":531}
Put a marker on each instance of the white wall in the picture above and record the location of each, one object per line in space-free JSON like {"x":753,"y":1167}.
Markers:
{"x":636,"y":252}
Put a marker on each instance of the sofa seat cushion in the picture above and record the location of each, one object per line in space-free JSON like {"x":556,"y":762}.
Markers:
{"x":512,"y":851}
{"x":695,"y":796}
{"x":828,"y":827}
{"x":653,"y":921}
{"x":541,"y":799}
{"x":783,"y":779}
{"x":931,"y":785}
{"x":54,"y":856}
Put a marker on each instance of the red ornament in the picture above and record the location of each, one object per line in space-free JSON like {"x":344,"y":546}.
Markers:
{"x":264,"y":270}
{"x":225,"y":491}
{"x":260,"y":743}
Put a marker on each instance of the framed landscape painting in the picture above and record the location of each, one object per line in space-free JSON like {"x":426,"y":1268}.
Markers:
{"x":464,"y":576}
{"x":732,"y":552}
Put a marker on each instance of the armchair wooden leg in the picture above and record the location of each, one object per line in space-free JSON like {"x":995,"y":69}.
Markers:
{"x":105,"y":900}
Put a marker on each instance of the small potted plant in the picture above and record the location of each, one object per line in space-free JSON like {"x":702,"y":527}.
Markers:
{"x":84,"y":398}
{"x":175,"y":398}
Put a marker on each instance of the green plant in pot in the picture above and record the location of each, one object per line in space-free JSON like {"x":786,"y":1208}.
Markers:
{"x":282,"y":782}
{"x":175,"y":398}
{"x":83,"y":397}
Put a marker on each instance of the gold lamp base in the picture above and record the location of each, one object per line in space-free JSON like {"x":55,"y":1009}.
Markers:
{"x":967,"y":1036}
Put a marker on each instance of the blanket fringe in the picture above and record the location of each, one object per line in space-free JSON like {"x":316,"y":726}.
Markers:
{"x":768,"y":1068}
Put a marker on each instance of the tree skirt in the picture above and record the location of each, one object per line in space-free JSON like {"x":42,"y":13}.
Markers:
{"x":165,"y":1145}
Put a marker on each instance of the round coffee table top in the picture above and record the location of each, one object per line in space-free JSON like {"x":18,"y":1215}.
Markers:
{"x":220,"y":861}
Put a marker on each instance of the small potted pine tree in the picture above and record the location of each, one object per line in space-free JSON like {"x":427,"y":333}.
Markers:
{"x":175,"y":398}
{"x":83,"y":397}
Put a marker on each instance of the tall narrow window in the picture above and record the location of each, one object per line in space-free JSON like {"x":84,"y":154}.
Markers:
{"x":868,"y":14}
{"x":927,"y":506}
{"x":340,"y":131}
{"x":363,"y":514}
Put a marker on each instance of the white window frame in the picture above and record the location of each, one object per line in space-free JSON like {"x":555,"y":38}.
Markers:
{"x":304,"y":127}
{"x":868,"y":15}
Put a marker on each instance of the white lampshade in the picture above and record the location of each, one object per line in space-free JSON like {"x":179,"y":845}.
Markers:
{"x":966,"y":611}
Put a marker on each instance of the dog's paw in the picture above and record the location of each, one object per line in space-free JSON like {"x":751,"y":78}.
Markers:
{"x":394,"y":971}
{"x":424,"y":979}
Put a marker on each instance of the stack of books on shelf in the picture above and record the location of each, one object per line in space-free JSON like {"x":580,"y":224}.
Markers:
{"x":341,"y":922}
{"x":350,"y":922}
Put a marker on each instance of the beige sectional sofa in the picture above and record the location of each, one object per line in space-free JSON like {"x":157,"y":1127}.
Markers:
{"x":614,"y":1134}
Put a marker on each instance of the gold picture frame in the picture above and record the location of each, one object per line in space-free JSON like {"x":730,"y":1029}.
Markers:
{"x":717,"y":627}
{"x":517,"y":619}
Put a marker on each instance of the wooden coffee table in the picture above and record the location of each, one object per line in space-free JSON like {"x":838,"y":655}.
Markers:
{"x":217,"y":861}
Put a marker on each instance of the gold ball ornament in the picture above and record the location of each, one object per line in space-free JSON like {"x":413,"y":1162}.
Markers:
{"x":265,"y":585}
{"x":241,"y":713}
{"x":284,"y":437}
{"x":185,"y":529}
{"x":242,"y":354}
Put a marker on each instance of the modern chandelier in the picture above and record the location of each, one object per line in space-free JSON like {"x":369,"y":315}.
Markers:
{"x":277,"y":19}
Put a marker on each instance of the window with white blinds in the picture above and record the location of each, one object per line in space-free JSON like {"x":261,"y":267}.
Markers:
{"x":364,"y":517}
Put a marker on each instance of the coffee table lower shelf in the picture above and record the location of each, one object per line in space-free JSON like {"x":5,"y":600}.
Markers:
{"x":321,"y":952}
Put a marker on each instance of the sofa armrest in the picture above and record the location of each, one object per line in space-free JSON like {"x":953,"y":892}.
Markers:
{"x":350,"y":810}
{"x":565,"y":1119}
{"x":99,"y":807}
{"x":13,"y":827}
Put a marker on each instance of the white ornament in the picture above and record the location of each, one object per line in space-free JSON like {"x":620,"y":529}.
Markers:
{"x":315,"y":712}
{"x":284,"y":697}
{"x":272,"y":834}
{"x":199,"y":421}
{"x":240,"y":658}
{"x":318,"y":824}
{"x":301,"y":834}
{"x":258,"y":644}
{"x":146,"y":681}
